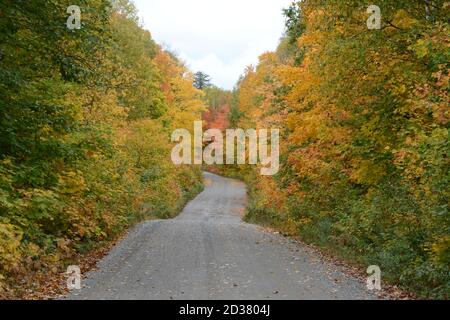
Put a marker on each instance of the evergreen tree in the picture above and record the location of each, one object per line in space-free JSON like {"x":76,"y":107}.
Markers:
{"x":202,"y":80}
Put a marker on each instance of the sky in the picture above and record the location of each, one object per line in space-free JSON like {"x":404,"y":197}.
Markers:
{"x":218,"y":37}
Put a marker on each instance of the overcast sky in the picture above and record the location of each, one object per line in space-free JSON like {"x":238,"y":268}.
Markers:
{"x":218,"y":37}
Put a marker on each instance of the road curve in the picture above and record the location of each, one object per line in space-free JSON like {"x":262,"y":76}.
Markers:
{"x":209,"y":253}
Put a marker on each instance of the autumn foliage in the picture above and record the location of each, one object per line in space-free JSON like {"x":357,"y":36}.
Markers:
{"x":365,"y":146}
{"x":216,"y":115}
{"x":85,"y":123}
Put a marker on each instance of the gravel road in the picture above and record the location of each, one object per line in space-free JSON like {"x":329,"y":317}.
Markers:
{"x":209,"y":253}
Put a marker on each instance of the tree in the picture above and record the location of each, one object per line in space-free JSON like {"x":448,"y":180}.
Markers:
{"x":202,"y":80}
{"x":85,"y":123}
{"x":366,"y":128}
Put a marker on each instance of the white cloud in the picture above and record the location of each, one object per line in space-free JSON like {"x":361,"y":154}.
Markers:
{"x":219,"y":37}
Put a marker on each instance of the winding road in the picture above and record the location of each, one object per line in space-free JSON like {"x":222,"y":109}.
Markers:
{"x":209,"y":253}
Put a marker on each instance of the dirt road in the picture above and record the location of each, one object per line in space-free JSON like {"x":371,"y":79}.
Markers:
{"x":209,"y":253}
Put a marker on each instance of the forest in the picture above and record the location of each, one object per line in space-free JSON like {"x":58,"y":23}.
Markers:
{"x":364,"y":116}
{"x":85,"y":123}
{"x":86,"y":117}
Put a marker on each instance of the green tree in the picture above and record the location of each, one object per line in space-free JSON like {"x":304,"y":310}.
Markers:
{"x":201,"y":80}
